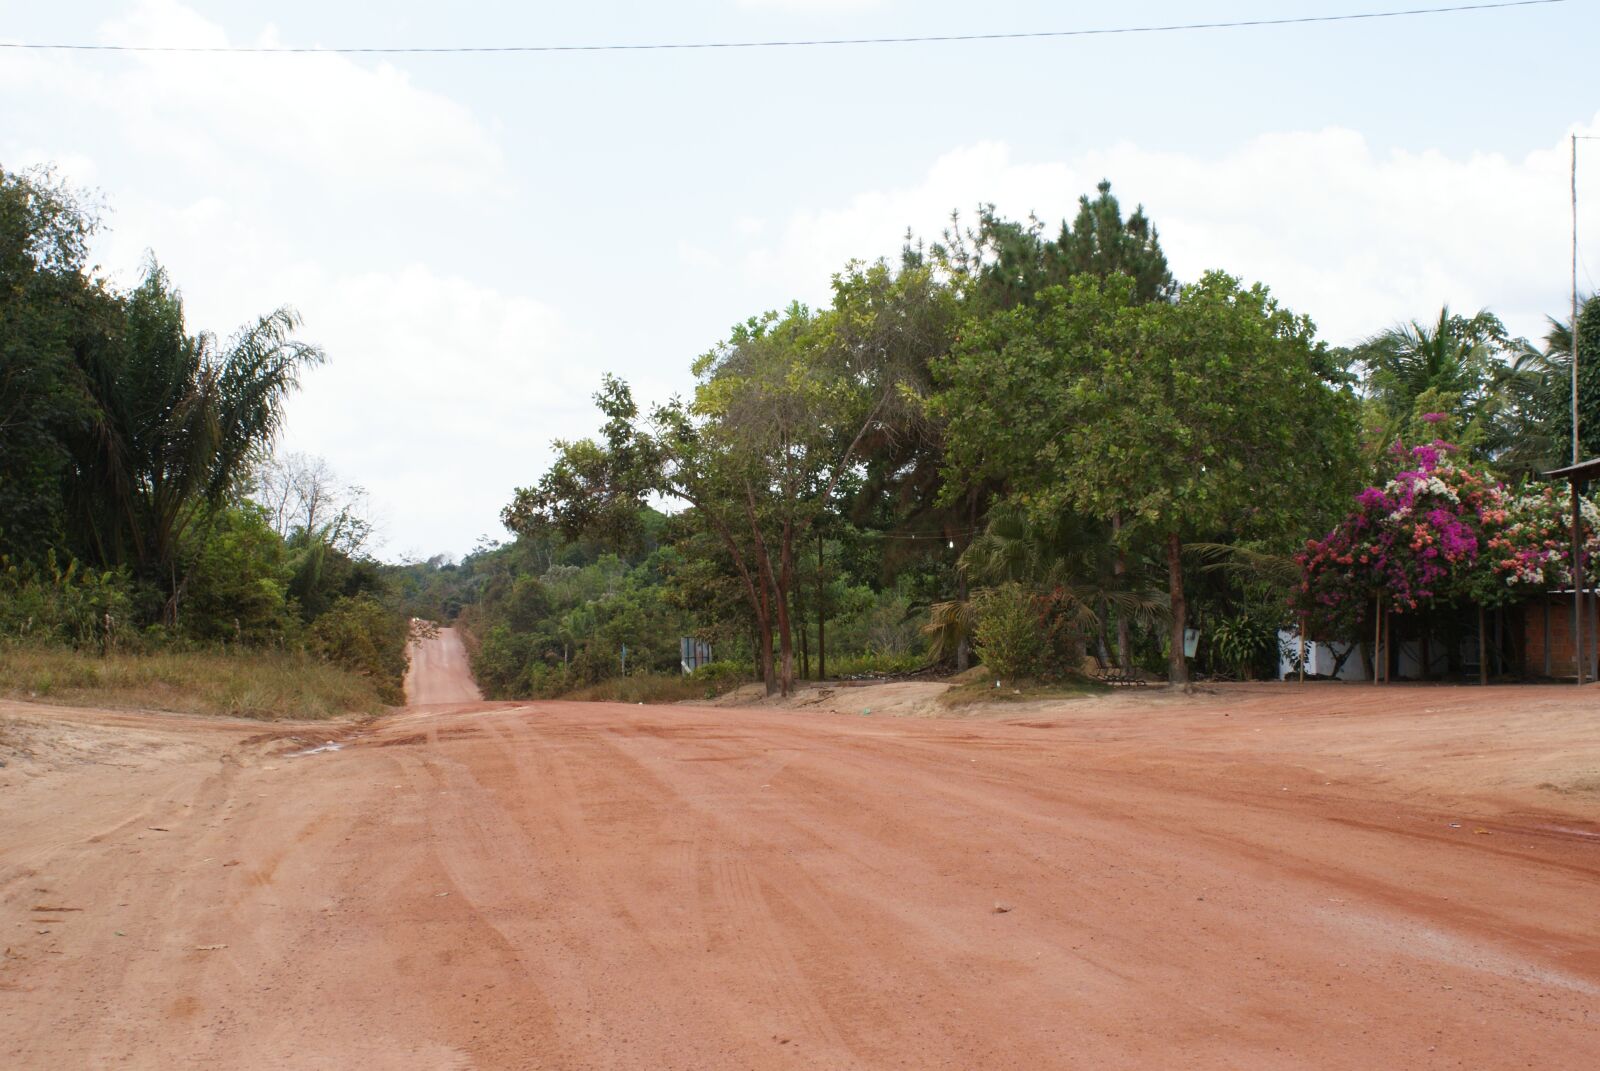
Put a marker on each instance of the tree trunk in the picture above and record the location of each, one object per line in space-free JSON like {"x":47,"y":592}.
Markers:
{"x":785,"y":624}
{"x":822,"y":619}
{"x":802,"y":632}
{"x":769,"y":675}
{"x":1377,"y":637}
{"x":964,"y":644}
{"x":771,"y":593}
{"x":1119,"y":569}
{"x":1177,"y":664}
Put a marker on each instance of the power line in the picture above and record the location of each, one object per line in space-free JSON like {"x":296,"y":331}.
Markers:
{"x":798,"y":43}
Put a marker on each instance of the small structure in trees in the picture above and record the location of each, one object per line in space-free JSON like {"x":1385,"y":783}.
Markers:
{"x":1583,"y":623}
{"x":1443,"y":560}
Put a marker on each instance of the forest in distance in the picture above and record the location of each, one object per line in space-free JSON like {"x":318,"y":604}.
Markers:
{"x":1021,"y":443}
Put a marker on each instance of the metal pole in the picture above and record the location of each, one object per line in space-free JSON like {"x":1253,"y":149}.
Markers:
{"x":1577,"y":547}
{"x":1574,"y":332}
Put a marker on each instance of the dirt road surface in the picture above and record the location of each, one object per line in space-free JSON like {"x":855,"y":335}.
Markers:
{"x":438,"y":672}
{"x":1274,"y":878}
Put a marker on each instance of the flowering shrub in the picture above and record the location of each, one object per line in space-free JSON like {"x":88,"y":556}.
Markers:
{"x":1437,"y":530}
{"x":1534,"y":548}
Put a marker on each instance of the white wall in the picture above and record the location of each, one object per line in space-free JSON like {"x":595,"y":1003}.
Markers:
{"x":1320,"y":658}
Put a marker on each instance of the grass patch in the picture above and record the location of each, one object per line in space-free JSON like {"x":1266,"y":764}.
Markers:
{"x":246,"y":684}
{"x":845,"y":667}
{"x":1579,"y":786}
{"x":650,"y":688}
{"x":972,"y":689}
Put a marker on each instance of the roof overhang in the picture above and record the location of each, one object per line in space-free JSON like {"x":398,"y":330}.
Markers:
{"x":1588,"y":470}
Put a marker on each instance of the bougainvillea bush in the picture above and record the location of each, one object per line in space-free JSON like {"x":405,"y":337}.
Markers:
{"x":1437,"y":531}
{"x":1533,"y":550}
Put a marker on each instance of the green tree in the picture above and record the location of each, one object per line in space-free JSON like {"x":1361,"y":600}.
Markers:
{"x":1453,"y":366}
{"x":54,"y":318}
{"x":176,"y":422}
{"x":1002,"y":263}
{"x":1207,"y":414}
{"x":1558,"y":347}
{"x":778,"y":422}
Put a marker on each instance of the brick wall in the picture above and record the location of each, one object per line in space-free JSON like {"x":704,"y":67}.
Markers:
{"x":1561,"y":663}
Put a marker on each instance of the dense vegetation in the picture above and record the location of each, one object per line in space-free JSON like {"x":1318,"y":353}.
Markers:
{"x":1037,"y":444}
{"x":141,"y":508}
{"x":1030,"y":445}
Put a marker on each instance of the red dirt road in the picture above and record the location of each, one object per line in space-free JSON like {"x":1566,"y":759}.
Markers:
{"x":438,"y":672}
{"x":1270,"y":878}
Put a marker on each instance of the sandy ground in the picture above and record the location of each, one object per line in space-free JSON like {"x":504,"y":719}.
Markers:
{"x":1268,"y":877}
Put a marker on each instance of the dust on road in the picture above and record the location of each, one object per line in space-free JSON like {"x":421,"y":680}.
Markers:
{"x":1272,"y":878}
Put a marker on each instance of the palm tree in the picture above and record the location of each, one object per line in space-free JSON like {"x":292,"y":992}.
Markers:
{"x":1531,"y":430}
{"x":1062,"y":555}
{"x":176,"y":420}
{"x":1452,"y":364}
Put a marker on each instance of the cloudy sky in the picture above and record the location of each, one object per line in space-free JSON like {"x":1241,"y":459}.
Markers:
{"x":475,"y":238}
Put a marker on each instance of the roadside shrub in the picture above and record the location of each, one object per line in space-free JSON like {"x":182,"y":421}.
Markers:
{"x":1007,"y":633}
{"x":644,"y":688}
{"x":725,"y":673}
{"x":1240,"y":642}
{"x":360,"y":634}
{"x":52,"y":604}
{"x":876,"y":664}
{"x":500,"y":662}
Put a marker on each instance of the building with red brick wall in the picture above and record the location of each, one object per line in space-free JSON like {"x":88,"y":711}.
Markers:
{"x":1548,"y":634}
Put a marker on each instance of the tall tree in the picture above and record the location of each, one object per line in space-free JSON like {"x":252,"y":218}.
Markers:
{"x":176,"y":421}
{"x":1003,"y":263}
{"x":1453,"y":366}
{"x":1180,"y":419}
{"x":54,"y":317}
{"x":1558,"y":348}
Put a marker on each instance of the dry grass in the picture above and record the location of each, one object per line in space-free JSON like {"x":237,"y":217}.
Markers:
{"x":253,"y":684}
{"x":1577,"y":786}
{"x":975,"y":689}
{"x":649,"y":688}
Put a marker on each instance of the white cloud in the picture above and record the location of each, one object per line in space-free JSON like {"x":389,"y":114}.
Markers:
{"x":440,"y":395}
{"x":321,"y":121}
{"x":267,"y":180}
{"x":1354,"y":238}
{"x":812,"y":5}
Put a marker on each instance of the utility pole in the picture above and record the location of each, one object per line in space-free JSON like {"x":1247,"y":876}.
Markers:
{"x":1578,"y":653}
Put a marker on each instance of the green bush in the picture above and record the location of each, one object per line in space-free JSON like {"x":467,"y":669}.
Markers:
{"x":876,"y":664}
{"x":644,"y":688}
{"x":728,"y":673}
{"x":71,"y":605}
{"x":1240,"y":642}
{"x":235,"y":588}
{"x":1007,"y":635}
{"x":360,"y":634}
{"x":500,"y":663}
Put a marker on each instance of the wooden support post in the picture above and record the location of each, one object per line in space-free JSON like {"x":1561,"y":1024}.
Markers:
{"x":1547,"y":636}
{"x":1302,"y":648}
{"x":1483,"y":646}
{"x":1578,"y":652}
{"x":1377,"y":638}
